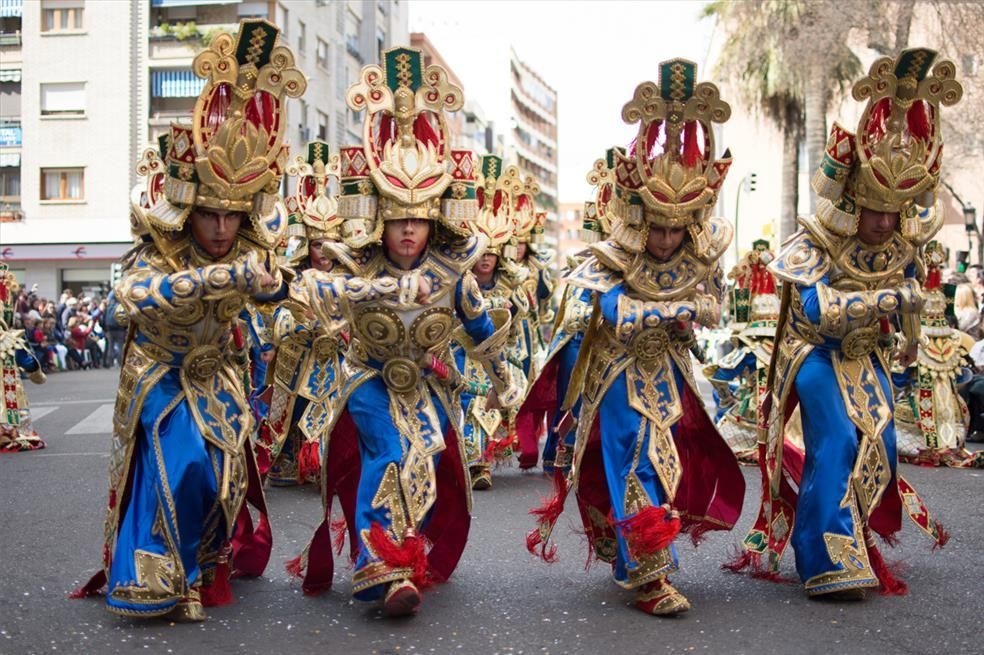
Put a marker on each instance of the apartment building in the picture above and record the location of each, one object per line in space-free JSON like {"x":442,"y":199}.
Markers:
{"x":71,"y":131}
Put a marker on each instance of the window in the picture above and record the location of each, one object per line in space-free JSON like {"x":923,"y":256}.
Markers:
{"x":322,"y":54}
{"x":62,"y":184}
{"x":283,"y":17}
{"x":301,"y":37}
{"x":10,"y":182}
{"x":322,"y":126}
{"x":63,"y":99}
{"x":61,"y":15}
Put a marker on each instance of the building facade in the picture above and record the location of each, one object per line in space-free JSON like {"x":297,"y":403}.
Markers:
{"x":532,"y":135}
{"x":87,"y":85}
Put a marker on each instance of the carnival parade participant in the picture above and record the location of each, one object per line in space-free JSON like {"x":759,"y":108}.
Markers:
{"x":648,"y":461}
{"x":550,"y":387}
{"x":306,"y":362}
{"x":182,"y":463}
{"x":487,"y":434}
{"x":536,"y":279}
{"x":16,"y":432}
{"x":850,"y":277}
{"x":931,"y":415}
{"x":410,"y":279}
{"x":739,"y":378}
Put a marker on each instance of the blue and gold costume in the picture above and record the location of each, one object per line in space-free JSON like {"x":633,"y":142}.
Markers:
{"x":400,"y":384}
{"x":182,"y":461}
{"x":648,"y":461}
{"x":307,"y":364}
{"x":572,"y":321}
{"x":843,"y":300}
{"x":488,"y":434}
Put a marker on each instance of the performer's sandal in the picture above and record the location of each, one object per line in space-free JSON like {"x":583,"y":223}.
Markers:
{"x":402,"y":599}
{"x":189,"y":609}
{"x":481,"y":480}
{"x":660,"y":598}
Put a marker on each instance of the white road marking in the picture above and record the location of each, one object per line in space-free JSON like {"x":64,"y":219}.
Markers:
{"x":38,"y":412}
{"x":44,"y":454}
{"x":56,"y":403}
{"x":98,"y":422}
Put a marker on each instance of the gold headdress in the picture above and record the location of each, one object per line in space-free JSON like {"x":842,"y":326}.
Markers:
{"x":313,"y":208}
{"x":893,"y":162}
{"x":233,"y":154}
{"x":599,"y":216}
{"x":403,"y":170}
{"x":152,"y":169}
{"x":669,"y":176}
{"x":496,"y":193}
{"x":526,"y":220}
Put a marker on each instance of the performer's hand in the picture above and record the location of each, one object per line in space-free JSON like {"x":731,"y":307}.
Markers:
{"x":908,"y":356}
{"x":423,"y":291}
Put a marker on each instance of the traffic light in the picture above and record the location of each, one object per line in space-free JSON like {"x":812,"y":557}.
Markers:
{"x":115,"y":272}
{"x":751,"y":180}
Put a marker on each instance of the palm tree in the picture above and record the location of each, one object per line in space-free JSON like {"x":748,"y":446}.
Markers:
{"x":755,"y":57}
{"x":791,"y":57}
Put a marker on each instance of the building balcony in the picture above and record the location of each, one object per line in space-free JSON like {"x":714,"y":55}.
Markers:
{"x":182,"y":41}
{"x":10,"y":47}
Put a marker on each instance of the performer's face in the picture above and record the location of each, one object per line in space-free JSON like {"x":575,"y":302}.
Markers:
{"x":485,"y":266}
{"x":875,"y":227}
{"x":318,"y":258}
{"x":520,"y":252}
{"x":664,"y":241}
{"x":215,"y":229}
{"x":406,"y":237}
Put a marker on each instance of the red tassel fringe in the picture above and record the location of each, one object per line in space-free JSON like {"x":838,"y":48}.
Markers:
{"x":546,"y":515}
{"x":308,"y":461}
{"x":410,"y":554}
{"x":338,"y":528}
{"x":94,"y":587}
{"x":890,"y":585}
{"x":942,"y":536}
{"x":219,"y":592}
{"x":295,"y":567}
{"x":650,"y":530}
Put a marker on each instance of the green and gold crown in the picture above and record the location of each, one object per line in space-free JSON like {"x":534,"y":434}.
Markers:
{"x":496,"y":193}
{"x":232,"y":156}
{"x":313,"y":207}
{"x":892,"y":163}
{"x":669,"y":176}
{"x":406,"y":143}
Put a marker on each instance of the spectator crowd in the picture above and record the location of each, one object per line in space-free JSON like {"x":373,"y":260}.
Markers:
{"x":76,"y":333}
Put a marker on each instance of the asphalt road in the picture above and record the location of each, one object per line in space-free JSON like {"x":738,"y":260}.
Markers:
{"x":500,"y":600}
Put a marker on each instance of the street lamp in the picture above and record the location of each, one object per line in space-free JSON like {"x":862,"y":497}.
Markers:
{"x":970,"y":223}
{"x":747,"y":184}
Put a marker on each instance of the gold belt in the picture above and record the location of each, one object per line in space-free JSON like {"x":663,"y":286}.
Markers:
{"x":649,"y":345}
{"x":202,"y":363}
{"x":860,"y":342}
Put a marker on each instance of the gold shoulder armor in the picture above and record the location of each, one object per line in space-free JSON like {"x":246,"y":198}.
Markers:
{"x":720,"y":233}
{"x":594,"y":275}
{"x":802,"y":260}
{"x":611,"y":254}
{"x":929,"y":225}
{"x":460,"y":255}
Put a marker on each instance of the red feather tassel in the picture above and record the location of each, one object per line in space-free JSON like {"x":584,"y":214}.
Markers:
{"x":890,"y":585}
{"x":338,"y":527}
{"x":650,"y":530}
{"x":295,"y":567}
{"x":94,"y":587}
{"x":308,"y":461}
{"x":942,"y":536}
{"x":546,"y":516}
{"x":218,"y":592}
{"x":411,"y":554}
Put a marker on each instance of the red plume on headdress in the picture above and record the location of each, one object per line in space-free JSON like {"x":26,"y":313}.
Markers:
{"x":692,"y":154}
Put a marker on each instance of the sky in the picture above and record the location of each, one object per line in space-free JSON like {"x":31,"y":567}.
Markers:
{"x":594,"y":53}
